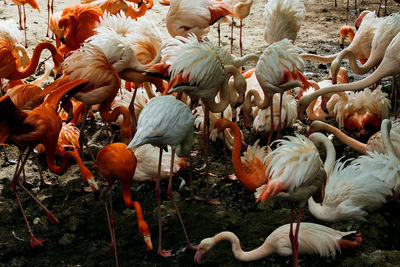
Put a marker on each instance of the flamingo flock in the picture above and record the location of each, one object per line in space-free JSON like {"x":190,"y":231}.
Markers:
{"x":148,"y":88}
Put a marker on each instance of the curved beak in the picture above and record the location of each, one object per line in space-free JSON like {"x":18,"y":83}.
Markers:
{"x":342,"y":46}
{"x":149,"y":245}
{"x":197,"y":257}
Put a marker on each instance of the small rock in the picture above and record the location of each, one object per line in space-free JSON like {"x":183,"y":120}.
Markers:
{"x":324,"y":10}
{"x":67,"y":239}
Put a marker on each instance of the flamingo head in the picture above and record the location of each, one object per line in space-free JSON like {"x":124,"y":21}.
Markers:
{"x":204,"y":246}
{"x":221,"y":125}
{"x":145,"y":233}
{"x":360,"y":18}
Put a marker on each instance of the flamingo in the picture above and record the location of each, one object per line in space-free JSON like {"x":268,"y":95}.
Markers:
{"x":360,"y":112}
{"x":283,"y":19}
{"x":360,"y":47}
{"x":344,"y":32}
{"x":185,"y":16}
{"x":204,"y":79}
{"x":295,"y":172}
{"x":9,"y":30}
{"x":78,"y":22}
{"x":115,"y":6}
{"x":313,"y":239}
{"x":33,"y":4}
{"x":42,"y":125}
{"x":241,"y":9}
{"x":374,"y":142}
{"x":250,"y":169}
{"x":114,"y":162}
{"x":386,"y":30}
{"x":388,"y":67}
{"x":9,"y":60}
{"x":349,"y":195}
{"x":154,"y":127}
{"x":278,"y":70}
{"x":384,"y":167}
{"x":53,"y":26}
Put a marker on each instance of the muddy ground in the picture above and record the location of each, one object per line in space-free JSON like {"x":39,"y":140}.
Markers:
{"x":81,"y":238}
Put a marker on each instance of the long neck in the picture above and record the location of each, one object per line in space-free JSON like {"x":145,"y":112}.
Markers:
{"x":30,"y":69}
{"x":149,"y":90}
{"x":360,"y":147}
{"x":318,"y":58}
{"x":318,"y":138}
{"x":238,"y":62}
{"x":347,"y":53}
{"x":59,"y":170}
{"x":318,"y":114}
{"x":258,"y":253}
{"x":261,"y":103}
{"x":236,"y":151}
{"x":126,"y":133}
{"x":224,"y":94}
{"x":378,"y":74}
{"x":385,"y":130}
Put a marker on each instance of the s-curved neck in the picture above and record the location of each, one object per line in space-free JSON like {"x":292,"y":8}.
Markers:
{"x":238,"y":62}
{"x":261,"y":103}
{"x":30,"y":69}
{"x":318,"y":58}
{"x":347,"y":53}
{"x":318,"y":138}
{"x":386,"y":126}
{"x":258,"y":253}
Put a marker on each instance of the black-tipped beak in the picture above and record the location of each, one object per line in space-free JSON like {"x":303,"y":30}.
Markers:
{"x":141,"y":2}
{"x":62,"y":40}
{"x":342,"y":46}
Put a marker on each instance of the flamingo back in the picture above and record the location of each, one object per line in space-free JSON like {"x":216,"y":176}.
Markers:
{"x":283,"y":19}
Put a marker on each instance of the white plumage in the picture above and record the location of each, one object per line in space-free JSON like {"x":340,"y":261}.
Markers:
{"x":313,"y":239}
{"x":349,"y":195}
{"x":262,"y":122}
{"x":165,"y":121}
{"x":10,"y":31}
{"x":278,"y":58}
{"x":282,"y":19}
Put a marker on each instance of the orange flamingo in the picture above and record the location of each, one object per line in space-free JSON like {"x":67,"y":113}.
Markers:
{"x":115,"y":6}
{"x":9,"y":60}
{"x":78,"y":22}
{"x":250,"y":170}
{"x":115,"y":161}
{"x":33,"y":4}
{"x":42,"y":125}
{"x":344,"y":32}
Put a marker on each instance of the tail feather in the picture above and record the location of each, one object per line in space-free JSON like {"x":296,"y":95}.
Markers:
{"x":220,"y":10}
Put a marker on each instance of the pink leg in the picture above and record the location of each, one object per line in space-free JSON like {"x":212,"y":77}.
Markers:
{"x":26,"y":44}
{"x":232,"y":37}
{"x":379,"y":8}
{"x":225,"y":153}
{"x":171,"y":196}
{"x":26,"y":182}
{"x":48,"y":17}
{"x":20,"y":17}
{"x":43,"y":182}
{"x":113,"y":246}
{"x":205,"y":139}
{"x":160,"y":251}
{"x":6,"y":159}
{"x":278,"y":129}
{"x":347,"y":12}
{"x":132,"y":110}
{"x":271,"y":130}
{"x":295,"y":245}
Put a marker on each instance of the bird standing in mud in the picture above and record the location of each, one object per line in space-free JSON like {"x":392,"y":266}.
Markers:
{"x":166,"y":121}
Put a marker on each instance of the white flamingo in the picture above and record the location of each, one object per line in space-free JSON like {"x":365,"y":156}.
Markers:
{"x":313,"y":239}
{"x":165,"y":121}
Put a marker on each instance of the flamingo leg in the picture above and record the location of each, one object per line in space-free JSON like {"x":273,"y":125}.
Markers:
{"x":48,"y":17}
{"x":205,"y":140}
{"x":82,"y":137}
{"x":26,"y":44}
{"x":240,"y":38}
{"x":278,"y":129}
{"x":379,"y":8}
{"x":355,"y":6}
{"x":43,"y":182}
{"x":335,"y":3}
{"x":225,"y":152}
{"x":347,"y":12}
{"x":113,"y":246}
{"x":271,"y":130}
{"x":132,"y":109}
{"x":20,"y":17}
{"x":232,"y":37}
{"x":171,"y":196}
{"x":26,"y":182}
{"x":20,"y":166}
{"x":384,"y":13}
{"x":295,"y":245}
{"x":160,"y":251}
